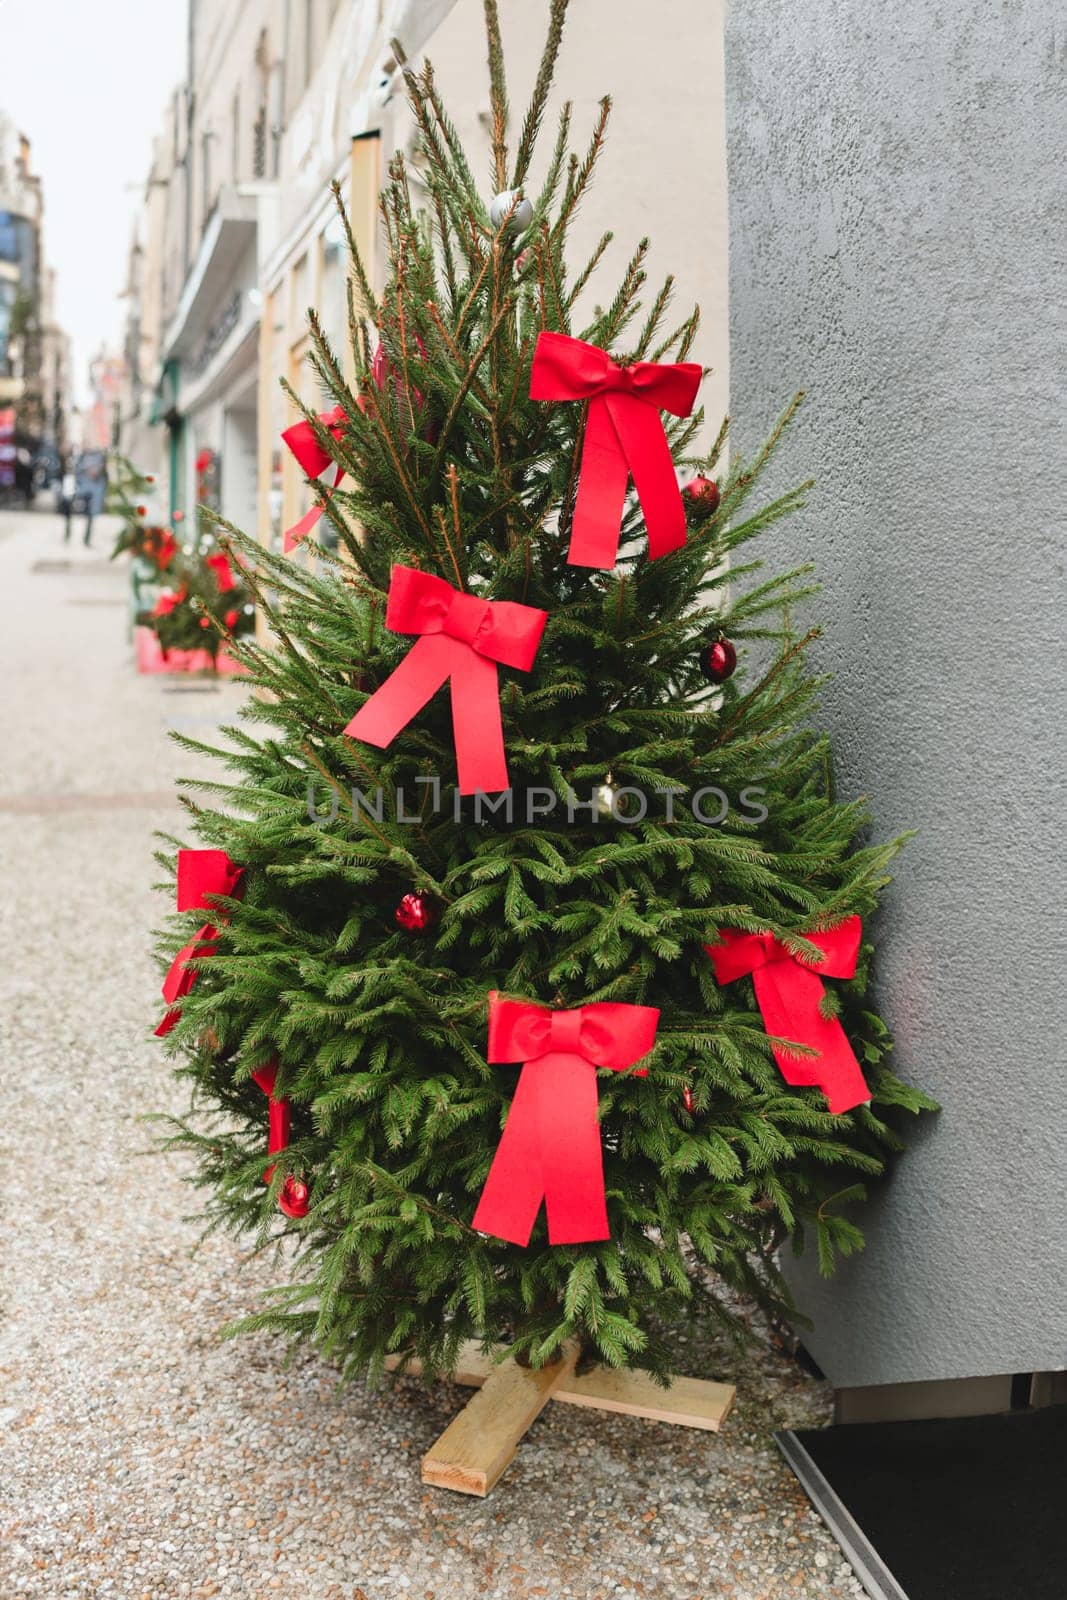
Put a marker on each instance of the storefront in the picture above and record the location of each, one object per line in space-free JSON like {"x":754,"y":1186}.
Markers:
{"x":211,"y":356}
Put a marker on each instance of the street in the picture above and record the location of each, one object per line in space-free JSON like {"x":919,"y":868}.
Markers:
{"x":145,"y":1456}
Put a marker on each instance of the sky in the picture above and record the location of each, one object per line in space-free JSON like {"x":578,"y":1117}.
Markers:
{"x":86,"y":81}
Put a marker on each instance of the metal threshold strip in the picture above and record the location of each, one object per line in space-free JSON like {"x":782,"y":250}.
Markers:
{"x":864,"y":1559}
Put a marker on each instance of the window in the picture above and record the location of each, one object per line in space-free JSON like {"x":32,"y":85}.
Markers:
{"x":235,"y":138}
{"x":259,"y":144}
{"x":261,"y":125}
{"x":309,"y":39}
{"x":333,"y":295}
{"x":205,"y":175}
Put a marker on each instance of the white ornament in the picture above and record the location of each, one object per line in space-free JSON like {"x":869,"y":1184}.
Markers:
{"x":521,"y":217}
{"x":605,"y":798}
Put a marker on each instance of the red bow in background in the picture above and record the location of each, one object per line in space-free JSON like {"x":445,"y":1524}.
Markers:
{"x":202,"y":874}
{"x":788,"y":992}
{"x":169,"y":602}
{"x":550,"y":1147}
{"x":166,"y":549}
{"x":314,"y":459}
{"x":462,"y":638}
{"x":220,"y":566}
{"x":623,"y":436}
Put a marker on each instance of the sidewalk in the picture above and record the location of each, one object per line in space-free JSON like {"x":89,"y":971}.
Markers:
{"x":143,"y":1456}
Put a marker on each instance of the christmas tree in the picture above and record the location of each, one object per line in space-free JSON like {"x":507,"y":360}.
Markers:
{"x":500,"y":766}
{"x":131,"y":497}
{"x":203,"y":603}
{"x":198,"y":599}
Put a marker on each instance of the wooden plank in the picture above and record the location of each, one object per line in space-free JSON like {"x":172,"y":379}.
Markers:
{"x":478,"y":1444}
{"x":472,"y":1367}
{"x":688,"y":1403}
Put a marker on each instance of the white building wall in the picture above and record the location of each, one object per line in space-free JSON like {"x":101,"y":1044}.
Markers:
{"x":663,"y":169}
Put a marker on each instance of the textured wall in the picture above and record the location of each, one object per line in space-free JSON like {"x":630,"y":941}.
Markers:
{"x":894,"y":174}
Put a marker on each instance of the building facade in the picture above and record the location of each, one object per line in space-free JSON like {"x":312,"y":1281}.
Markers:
{"x":346,"y":114}
{"x":141,"y":436}
{"x":216,"y":162}
{"x":284,"y":97}
{"x":34,"y":352}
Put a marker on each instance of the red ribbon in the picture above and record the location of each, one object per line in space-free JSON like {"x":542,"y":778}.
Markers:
{"x":314,"y":459}
{"x":623,"y":436}
{"x":202,"y":874}
{"x":462,"y":637}
{"x":165,"y":550}
{"x":293,"y":1199}
{"x":220,"y":566}
{"x":550,"y":1147}
{"x":169,"y":602}
{"x":788,"y":991}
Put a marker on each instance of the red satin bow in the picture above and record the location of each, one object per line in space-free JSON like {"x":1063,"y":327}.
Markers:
{"x":462,"y":637}
{"x":623,"y":436}
{"x":788,"y":991}
{"x":314,"y":459}
{"x":202,"y":874}
{"x":293,"y":1199}
{"x":277,"y":1114}
{"x":220,"y":566}
{"x":169,"y":602}
{"x":550,"y":1147}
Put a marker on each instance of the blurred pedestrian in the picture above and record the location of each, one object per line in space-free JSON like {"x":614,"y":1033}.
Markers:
{"x":90,"y":487}
{"x":67,"y":494}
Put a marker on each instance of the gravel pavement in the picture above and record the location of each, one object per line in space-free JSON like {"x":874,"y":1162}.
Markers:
{"x":147,"y":1458}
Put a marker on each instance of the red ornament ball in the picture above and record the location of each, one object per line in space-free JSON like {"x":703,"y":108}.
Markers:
{"x":205,"y":622}
{"x":718,"y":660}
{"x":705,"y":491}
{"x":179,"y":516}
{"x":142,"y":510}
{"x":416,"y":913}
{"x":231,"y":619}
{"x":687,"y":1099}
{"x":293,"y":1199}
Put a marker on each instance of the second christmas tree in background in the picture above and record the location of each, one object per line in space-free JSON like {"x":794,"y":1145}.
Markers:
{"x":524,"y":960}
{"x":187,"y":592}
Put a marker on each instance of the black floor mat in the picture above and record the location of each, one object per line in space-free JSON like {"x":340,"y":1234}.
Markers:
{"x":970,"y":1508}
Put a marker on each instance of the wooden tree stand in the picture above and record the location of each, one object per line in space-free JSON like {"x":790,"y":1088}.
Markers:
{"x":477,"y":1445}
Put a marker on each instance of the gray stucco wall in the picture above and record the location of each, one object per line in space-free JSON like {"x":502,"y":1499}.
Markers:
{"x":895,"y":250}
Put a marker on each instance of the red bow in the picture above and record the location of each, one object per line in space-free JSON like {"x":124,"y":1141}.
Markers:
{"x":293,"y":1199}
{"x":202,"y":874}
{"x":165,"y":550}
{"x":169,"y":602}
{"x":462,"y":639}
{"x":220,"y":566}
{"x":278,"y":1115}
{"x":788,"y":991}
{"x":314,"y":459}
{"x":623,"y":436}
{"x":550,"y":1147}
